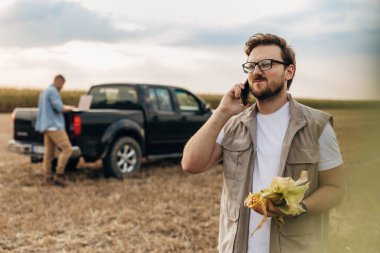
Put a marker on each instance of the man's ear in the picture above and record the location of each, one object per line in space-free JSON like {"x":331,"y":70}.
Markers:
{"x":289,"y":72}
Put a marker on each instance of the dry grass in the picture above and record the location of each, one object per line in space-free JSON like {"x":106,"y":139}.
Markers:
{"x":11,"y":98}
{"x":162,"y":209}
{"x":355,"y":224}
{"x":214,"y":100}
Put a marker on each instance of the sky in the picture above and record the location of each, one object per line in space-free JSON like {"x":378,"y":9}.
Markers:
{"x":193,"y":44}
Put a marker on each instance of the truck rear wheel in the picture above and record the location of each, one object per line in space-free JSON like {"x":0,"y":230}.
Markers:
{"x":123,"y":159}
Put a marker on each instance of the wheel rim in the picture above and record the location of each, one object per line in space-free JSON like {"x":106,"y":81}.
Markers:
{"x":126,"y":158}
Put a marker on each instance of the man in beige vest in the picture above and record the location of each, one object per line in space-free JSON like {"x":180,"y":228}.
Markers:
{"x":276,"y":136}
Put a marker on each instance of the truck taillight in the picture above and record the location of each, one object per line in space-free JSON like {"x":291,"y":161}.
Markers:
{"x":13,"y":115}
{"x":77,"y":125}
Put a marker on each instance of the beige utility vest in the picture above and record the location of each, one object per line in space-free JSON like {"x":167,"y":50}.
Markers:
{"x":300,"y":151}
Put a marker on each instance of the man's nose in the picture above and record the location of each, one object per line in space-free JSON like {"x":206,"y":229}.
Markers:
{"x":256,"y":70}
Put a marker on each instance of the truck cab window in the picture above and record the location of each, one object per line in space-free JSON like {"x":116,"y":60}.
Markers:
{"x":159,"y":99}
{"x":187,"y":102}
{"x":114,"y":97}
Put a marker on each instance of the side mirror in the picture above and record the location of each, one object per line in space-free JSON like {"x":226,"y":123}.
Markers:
{"x":208,"y":107}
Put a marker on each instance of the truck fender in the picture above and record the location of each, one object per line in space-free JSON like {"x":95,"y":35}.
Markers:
{"x":124,"y":125}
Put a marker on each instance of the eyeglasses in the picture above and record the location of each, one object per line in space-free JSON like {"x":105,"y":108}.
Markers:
{"x":263,"y":65}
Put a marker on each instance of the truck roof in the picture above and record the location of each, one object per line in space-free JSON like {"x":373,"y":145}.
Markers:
{"x":138,"y":84}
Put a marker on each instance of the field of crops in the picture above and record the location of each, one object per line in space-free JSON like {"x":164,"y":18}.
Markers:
{"x":12,"y":98}
{"x":162,"y":209}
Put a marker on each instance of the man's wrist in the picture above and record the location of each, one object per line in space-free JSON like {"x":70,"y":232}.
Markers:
{"x":223,"y":114}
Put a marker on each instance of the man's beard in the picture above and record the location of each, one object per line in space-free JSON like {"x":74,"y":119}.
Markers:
{"x":268,"y":93}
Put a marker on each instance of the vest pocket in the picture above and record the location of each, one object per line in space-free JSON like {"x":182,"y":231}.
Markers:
{"x":300,"y":159}
{"x":295,"y":226}
{"x":228,"y":225}
{"x":236,"y":154}
{"x":298,"y":235}
{"x":303,"y":155}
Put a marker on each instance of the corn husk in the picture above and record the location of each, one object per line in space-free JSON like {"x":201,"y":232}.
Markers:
{"x":284,"y":192}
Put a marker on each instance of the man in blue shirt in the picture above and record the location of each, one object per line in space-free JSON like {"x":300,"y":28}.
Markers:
{"x":51,"y":123}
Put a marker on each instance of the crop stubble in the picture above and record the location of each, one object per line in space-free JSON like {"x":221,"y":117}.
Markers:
{"x":162,"y":209}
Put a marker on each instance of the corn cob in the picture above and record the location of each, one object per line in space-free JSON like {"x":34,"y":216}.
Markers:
{"x":284,"y":193}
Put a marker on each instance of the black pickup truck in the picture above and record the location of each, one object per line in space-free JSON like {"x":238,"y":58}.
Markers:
{"x":125,"y":122}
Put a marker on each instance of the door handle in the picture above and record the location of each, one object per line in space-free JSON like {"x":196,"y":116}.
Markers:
{"x":183,"y":118}
{"x":155,"y":118}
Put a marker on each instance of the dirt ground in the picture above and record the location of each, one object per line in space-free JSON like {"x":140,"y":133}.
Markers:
{"x":162,"y":209}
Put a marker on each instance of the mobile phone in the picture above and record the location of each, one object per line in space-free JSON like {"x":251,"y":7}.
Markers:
{"x":244,"y":95}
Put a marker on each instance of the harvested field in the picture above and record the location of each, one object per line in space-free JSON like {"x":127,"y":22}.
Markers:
{"x":162,"y":209}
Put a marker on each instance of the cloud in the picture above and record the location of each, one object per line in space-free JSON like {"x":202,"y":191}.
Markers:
{"x":336,"y":26}
{"x":323,"y":25}
{"x":336,"y":42}
{"x":47,"y":23}
{"x":329,"y":26}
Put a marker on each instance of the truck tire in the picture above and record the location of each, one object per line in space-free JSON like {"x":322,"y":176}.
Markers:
{"x":123,"y":159}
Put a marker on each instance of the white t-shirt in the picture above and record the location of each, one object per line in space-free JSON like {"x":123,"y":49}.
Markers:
{"x":271,"y":130}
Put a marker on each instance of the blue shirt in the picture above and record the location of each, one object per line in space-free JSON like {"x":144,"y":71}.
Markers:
{"x":50,"y":106}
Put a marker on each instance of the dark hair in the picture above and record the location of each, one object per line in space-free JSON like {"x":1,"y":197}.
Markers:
{"x":287,"y":52}
{"x":59,"y":77}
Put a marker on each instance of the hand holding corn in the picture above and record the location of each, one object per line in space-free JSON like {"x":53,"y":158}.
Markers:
{"x":284,"y":194}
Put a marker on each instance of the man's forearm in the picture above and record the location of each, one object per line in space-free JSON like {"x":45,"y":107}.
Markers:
{"x":323,"y":199}
{"x":198,"y":150}
{"x":329,"y":193}
{"x":67,"y":108}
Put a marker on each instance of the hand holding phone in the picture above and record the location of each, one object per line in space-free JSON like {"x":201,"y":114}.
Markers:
{"x":244,"y":95}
